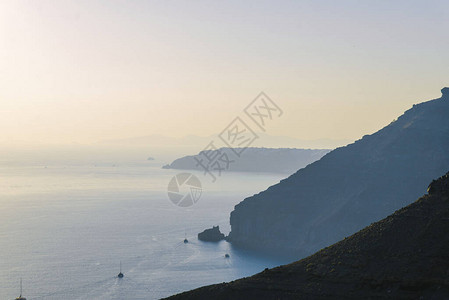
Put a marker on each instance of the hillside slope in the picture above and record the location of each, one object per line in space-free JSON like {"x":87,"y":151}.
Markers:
{"x":404,"y":256}
{"x":349,"y":187}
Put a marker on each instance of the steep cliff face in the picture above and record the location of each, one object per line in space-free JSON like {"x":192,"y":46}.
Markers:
{"x":404,"y":256}
{"x":349,"y":187}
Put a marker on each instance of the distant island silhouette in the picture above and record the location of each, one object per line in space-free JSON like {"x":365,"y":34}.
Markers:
{"x":274,"y":160}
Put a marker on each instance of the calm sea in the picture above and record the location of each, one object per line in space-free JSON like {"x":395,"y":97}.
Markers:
{"x":65,"y":225}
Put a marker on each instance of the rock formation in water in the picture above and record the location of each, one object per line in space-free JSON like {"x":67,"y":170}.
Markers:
{"x":349,"y":187}
{"x":282,"y":160}
{"x":211,"y":235}
{"x":404,"y":256}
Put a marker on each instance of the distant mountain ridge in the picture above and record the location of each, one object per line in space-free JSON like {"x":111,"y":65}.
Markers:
{"x":199,"y":142}
{"x":349,"y":187}
{"x":282,"y":160}
{"x":404,"y":256}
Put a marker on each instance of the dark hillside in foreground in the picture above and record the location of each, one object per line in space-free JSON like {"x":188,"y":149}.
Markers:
{"x":404,"y":256}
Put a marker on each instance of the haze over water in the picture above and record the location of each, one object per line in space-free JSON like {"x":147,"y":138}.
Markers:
{"x":125,"y":75}
{"x":64,"y":229}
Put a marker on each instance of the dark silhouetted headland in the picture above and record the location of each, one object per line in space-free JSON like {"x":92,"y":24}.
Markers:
{"x":349,"y":187}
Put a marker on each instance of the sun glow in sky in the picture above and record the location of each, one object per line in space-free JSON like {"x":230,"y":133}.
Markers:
{"x":83,"y":71}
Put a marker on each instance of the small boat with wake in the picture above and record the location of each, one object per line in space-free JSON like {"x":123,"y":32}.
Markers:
{"x":20,"y":296}
{"x":120,"y":275}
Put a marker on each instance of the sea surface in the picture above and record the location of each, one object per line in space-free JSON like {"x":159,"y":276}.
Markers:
{"x":65,"y":225}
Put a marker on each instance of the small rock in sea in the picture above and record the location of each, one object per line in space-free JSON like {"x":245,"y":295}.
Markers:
{"x":211,"y":235}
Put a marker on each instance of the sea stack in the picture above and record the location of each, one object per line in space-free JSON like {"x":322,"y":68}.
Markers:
{"x":211,"y":235}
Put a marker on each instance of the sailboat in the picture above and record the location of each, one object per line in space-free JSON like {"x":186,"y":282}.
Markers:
{"x":120,"y":275}
{"x":20,"y":297}
{"x":185,"y":238}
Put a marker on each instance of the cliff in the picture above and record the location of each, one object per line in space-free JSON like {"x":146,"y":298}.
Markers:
{"x":281,"y":160}
{"x":404,"y":256}
{"x":349,"y":187}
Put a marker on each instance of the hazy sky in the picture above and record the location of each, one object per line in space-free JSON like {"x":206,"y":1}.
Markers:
{"x":82,"y":71}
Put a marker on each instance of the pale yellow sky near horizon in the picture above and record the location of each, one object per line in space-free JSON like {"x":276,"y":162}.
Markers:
{"x":83,"y":71}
